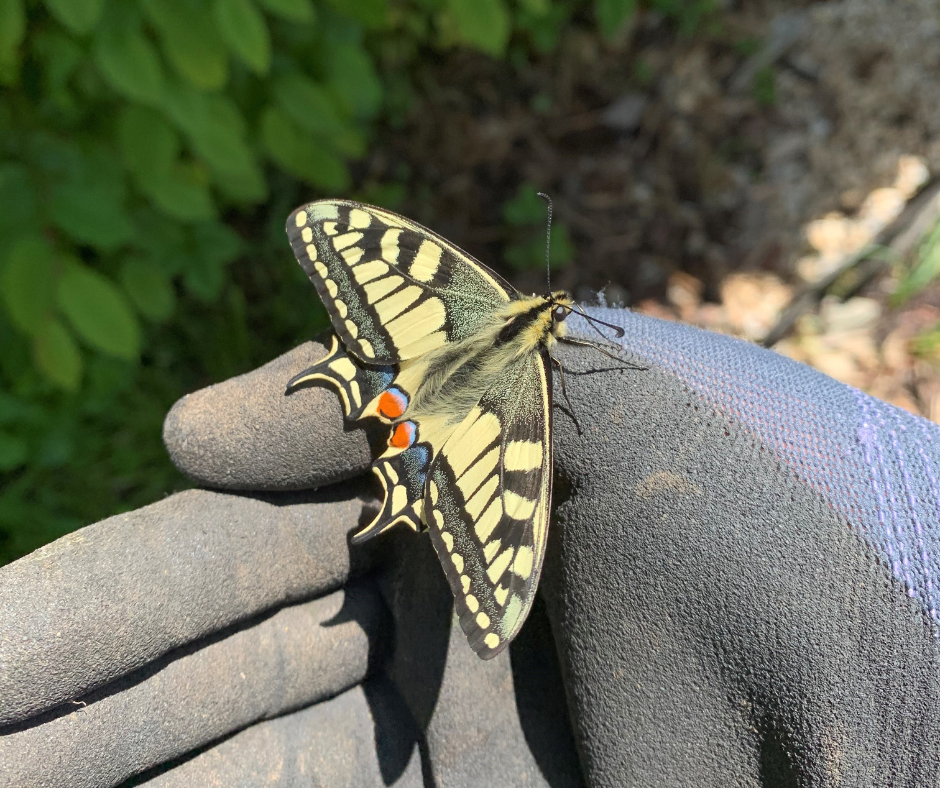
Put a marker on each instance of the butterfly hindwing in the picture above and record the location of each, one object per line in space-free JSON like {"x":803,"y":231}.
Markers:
{"x":357,"y":385}
{"x":394,"y":289}
{"x":487,"y":504}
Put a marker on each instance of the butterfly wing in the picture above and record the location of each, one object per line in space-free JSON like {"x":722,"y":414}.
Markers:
{"x":487,"y":504}
{"x":394,"y":289}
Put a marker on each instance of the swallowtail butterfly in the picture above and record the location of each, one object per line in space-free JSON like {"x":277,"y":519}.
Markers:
{"x":457,"y":362}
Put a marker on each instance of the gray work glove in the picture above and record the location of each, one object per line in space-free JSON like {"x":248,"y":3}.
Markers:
{"x":740,"y":585}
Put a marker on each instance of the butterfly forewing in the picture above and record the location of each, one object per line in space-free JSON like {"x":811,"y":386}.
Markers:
{"x":487,"y":504}
{"x":394,"y":290}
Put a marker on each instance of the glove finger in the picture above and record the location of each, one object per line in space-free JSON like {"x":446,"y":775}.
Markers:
{"x":300,"y":655}
{"x":337,"y":742}
{"x":114,"y":596}
{"x":247,"y":433}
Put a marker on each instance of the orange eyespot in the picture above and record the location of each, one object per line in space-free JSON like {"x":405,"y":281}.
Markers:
{"x":392,"y":404}
{"x":403,"y":435}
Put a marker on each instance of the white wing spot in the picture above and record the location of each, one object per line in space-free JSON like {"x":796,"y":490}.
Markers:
{"x":366,"y":347}
{"x":352,"y":255}
{"x":516,"y":506}
{"x":448,"y":541}
{"x":397,"y":303}
{"x":356,"y":394}
{"x":473,"y":603}
{"x":390,"y":246}
{"x":301,"y":218}
{"x":331,"y":288}
{"x":500,"y":593}
{"x":484,"y":525}
{"x":426,"y":317}
{"x":369,"y":271}
{"x":465,"y":447}
{"x":321,"y":269}
{"x":491,"y":549}
{"x":491,"y":640}
{"x":523,"y":455}
{"x":399,"y":498}
{"x":352,"y":328}
{"x":465,"y":583}
{"x":434,"y":492}
{"x":359,"y":218}
{"x":482,"y":497}
{"x":329,"y":228}
{"x":340,"y":242}
{"x":483,"y":620}
{"x":341,"y":307}
{"x":377,"y":290}
{"x":476,"y":473}
{"x":457,"y":558}
{"x":426,"y":262}
{"x":307,"y":235}
{"x":344,"y":368}
{"x":496,"y":569}
{"x":438,"y":518}
{"x":312,"y":252}
{"x":522,"y":566}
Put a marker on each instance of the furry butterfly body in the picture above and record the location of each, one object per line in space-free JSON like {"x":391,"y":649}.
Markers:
{"x":457,"y":363}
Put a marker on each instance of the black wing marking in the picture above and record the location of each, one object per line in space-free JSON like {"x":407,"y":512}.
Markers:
{"x":394,"y":289}
{"x":487,"y":504}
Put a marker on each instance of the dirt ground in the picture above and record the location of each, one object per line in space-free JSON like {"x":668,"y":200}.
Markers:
{"x":706,"y":177}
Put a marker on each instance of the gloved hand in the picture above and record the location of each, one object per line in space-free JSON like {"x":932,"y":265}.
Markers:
{"x":741,"y":582}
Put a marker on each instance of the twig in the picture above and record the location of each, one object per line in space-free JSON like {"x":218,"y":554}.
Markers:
{"x":896,"y":241}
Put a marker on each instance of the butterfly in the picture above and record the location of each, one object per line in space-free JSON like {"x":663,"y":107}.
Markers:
{"x":457,"y":363}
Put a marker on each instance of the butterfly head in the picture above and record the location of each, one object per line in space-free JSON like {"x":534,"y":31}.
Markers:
{"x":561,"y":304}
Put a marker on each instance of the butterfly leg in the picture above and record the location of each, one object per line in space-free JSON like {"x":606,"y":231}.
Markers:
{"x":564,"y":392}
{"x":600,"y":348}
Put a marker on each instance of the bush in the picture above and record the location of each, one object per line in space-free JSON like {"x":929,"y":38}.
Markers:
{"x":149,"y":151}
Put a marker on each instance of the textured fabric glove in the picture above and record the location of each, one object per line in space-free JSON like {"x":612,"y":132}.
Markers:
{"x":741,"y":582}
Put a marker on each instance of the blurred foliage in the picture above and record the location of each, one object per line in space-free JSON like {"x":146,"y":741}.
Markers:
{"x":924,"y":269}
{"x":524,"y":218}
{"x":149,"y":152}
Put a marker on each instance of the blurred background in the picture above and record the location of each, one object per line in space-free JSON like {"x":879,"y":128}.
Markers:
{"x":757,"y":167}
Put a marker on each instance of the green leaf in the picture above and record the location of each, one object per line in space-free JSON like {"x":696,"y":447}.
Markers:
{"x":17,"y":198}
{"x":217,"y":131}
{"x":314,"y":109}
{"x":299,"y":154}
{"x":57,"y":356}
{"x":191,"y":41}
{"x":149,"y":145}
{"x":293,"y":10}
{"x":12,"y":29}
{"x":612,"y":15}
{"x":127,"y":59}
{"x":371,"y":13}
{"x":150,"y":149}
{"x":353,"y":77}
{"x":88,"y":202}
{"x":181,"y":193}
{"x":13,"y":452}
{"x":217,"y":242}
{"x":79,"y":16}
{"x":481,"y":24}
{"x":29,"y":284}
{"x":149,"y":288}
{"x":243,"y":28}
{"x":98,"y":311}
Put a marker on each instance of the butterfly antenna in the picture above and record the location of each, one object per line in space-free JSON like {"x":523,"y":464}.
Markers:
{"x":548,"y":240}
{"x":592,"y":320}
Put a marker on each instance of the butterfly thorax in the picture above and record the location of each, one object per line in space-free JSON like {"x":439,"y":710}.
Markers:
{"x":447,"y":383}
